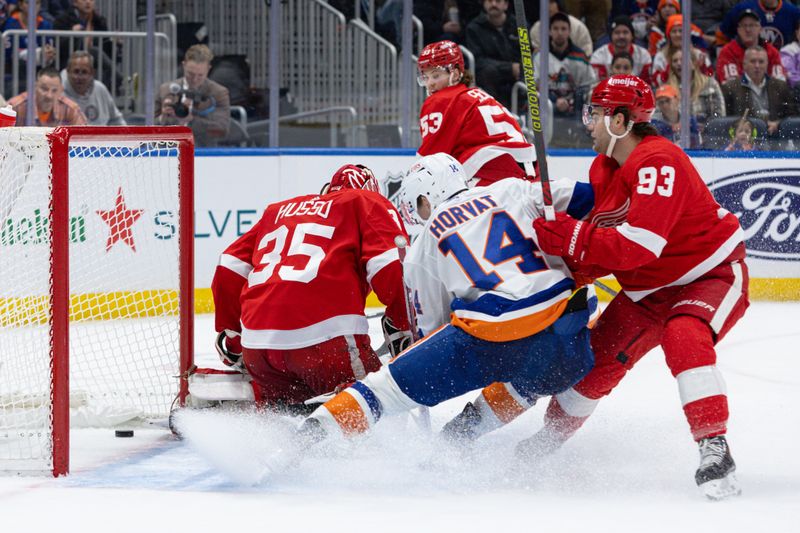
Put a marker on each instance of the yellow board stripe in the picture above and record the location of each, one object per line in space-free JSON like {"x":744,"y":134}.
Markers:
{"x":33,"y":310}
{"x":137,"y":304}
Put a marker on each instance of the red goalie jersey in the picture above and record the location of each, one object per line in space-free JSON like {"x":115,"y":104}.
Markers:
{"x":301,"y":275}
{"x":476,"y":129}
{"x":657,"y":223}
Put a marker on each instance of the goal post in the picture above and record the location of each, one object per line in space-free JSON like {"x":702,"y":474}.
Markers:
{"x":96,"y":282}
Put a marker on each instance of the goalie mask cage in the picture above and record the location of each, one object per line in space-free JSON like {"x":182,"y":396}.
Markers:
{"x":96,"y":283}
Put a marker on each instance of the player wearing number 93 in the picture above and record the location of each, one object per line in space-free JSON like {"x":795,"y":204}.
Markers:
{"x":467,"y":123}
{"x":492,"y":307}
{"x":290,"y":293}
{"x":679,"y":258}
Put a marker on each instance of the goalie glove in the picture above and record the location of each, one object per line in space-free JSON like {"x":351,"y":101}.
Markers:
{"x":229,"y":348}
{"x":396,"y":339}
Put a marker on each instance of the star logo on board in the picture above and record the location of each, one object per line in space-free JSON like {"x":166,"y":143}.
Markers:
{"x":119,"y":220}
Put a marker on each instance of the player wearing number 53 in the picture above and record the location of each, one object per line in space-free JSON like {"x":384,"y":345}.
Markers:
{"x":468,"y":123}
{"x":290,"y":293}
{"x":679,"y":258}
{"x":491,"y":306}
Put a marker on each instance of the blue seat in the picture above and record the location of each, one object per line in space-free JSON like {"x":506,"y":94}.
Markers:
{"x":719,"y":132}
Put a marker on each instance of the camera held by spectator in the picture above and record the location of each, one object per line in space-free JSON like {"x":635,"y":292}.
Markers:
{"x":183,"y":99}
{"x":195,"y":101}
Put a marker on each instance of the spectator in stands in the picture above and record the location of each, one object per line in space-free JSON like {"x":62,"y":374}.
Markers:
{"x":764,"y":96}
{"x":729,"y":61}
{"x":594,"y":12}
{"x":708,"y":15}
{"x":641,"y":12}
{"x":744,"y":136}
{"x":706,"y":94}
{"x":441,"y":19}
{"x":90,"y":94}
{"x":578,"y":32}
{"x":776,"y":17}
{"x":51,"y":9}
{"x":621,"y":31}
{"x":571,"y":76}
{"x":52,"y":108}
{"x":790,"y":58}
{"x":45,"y":53}
{"x":82,"y":16}
{"x":492,"y":38}
{"x":667,"y":117}
{"x":663,"y":57}
{"x":196,"y":101}
{"x":622,"y":63}
{"x":658,"y":31}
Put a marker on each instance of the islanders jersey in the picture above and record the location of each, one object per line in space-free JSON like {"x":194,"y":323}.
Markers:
{"x":477,"y":265}
{"x":302,"y":274}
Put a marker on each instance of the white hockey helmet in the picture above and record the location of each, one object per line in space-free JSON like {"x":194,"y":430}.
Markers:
{"x":437,"y":177}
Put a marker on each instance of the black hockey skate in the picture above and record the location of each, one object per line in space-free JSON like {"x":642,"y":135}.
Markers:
{"x":716,"y":475}
{"x":463,"y":428}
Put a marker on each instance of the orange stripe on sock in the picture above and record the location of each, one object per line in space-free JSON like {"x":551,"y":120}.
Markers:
{"x":504,"y":406}
{"x":347,"y":413}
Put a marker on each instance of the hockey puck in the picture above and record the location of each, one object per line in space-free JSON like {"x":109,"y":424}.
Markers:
{"x":123,"y":433}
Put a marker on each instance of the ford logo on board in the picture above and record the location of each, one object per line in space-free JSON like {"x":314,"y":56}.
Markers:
{"x":767,"y":203}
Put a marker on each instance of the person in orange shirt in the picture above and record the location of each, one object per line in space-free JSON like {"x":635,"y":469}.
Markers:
{"x":52,"y":108}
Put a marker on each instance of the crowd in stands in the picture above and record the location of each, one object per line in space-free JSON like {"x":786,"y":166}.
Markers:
{"x":745,"y":59}
{"x":74,"y":95}
{"x":745,"y":63}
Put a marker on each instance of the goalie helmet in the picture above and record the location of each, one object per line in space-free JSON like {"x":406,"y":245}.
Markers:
{"x":437,"y":177}
{"x":442,"y":54}
{"x":625,"y":90}
{"x":353,"y":177}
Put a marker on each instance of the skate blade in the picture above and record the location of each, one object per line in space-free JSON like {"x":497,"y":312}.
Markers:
{"x":721,"y":489}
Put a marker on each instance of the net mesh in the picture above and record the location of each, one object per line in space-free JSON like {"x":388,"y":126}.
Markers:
{"x":124,"y":288}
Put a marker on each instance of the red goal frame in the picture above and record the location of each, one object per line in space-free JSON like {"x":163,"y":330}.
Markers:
{"x":59,"y":140}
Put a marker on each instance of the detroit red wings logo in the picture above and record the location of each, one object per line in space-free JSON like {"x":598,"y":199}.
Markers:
{"x":615,"y":217}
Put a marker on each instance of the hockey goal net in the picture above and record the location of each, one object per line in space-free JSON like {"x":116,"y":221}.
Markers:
{"x":95,"y":283}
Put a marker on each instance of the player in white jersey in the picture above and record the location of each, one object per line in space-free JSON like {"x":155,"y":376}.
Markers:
{"x":516,"y":314}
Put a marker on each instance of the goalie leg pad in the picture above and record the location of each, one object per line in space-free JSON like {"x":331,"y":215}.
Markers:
{"x":220,"y":385}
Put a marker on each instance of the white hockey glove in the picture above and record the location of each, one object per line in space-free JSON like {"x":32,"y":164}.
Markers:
{"x":396,"y":339}
{"x":229,"y":348}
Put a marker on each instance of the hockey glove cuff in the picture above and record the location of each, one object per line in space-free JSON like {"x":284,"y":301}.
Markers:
{"x":229,"y":348}
{"x":565,"y":236}
{"x":396,"y":339}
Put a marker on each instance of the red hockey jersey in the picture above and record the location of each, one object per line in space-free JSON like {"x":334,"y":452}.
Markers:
{"x":657,"y":224}
{"x":731,"y":58}
{"x":476,"y":129}
{"x":302,"y":274}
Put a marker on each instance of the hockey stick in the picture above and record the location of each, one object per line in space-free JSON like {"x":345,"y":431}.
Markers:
{"x":533,"y":108}
{"x":536,"y":120}
{"x":605,"y":288}
{"x":424,"y":418}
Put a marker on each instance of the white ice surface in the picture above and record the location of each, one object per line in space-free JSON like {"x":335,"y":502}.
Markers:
{"x":630,"y":468}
